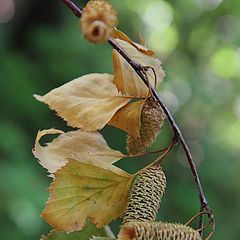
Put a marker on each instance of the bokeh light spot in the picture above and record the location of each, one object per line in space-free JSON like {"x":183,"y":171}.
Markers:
{"x":171,"y":101}
{"x":158,"y":15}
{"x":164,"y":42}
{"x":225,"y":62}
{"x":209,"y":4}
{"x":228,"y":28}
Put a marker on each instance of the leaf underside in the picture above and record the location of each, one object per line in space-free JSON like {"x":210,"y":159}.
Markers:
{"x":128,"y":118}
{"x":88,"y":147}
{"x":88,"y":102}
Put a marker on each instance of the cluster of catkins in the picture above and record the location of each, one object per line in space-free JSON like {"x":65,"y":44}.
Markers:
{"x":143,"y":204}
{"x":97,"y":23}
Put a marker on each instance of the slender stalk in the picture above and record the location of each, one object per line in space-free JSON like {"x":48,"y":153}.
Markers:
{"x":77,"y":11}
{"x":140,"y":70}
{"x":158,"y":160}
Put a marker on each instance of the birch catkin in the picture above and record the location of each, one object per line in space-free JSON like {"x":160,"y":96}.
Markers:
{"x":157,"y":231}
{"x":98,"y":21}
{"x":152,"y":119}
{"x":145,"y":195}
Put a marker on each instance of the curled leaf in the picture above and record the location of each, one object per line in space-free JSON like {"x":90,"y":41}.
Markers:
{"x":128,"y":118}
{"x":81,"y":191}
{"x":88,"y":147}
{"x":120,"y":35}
{"x":126,"y":79}
{"x":88,"y":102}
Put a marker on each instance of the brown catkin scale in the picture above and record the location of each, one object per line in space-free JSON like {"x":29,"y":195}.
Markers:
{"x":145,"y":195}
{"x":157,"y":231}
{"x":152,"y":119}
{"x":98,"y":21}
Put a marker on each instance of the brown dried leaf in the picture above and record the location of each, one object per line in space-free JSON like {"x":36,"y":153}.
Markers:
{"x":88,"y":147}
{"x":88,"y":102}
{"x":120,"y":35}
{"x":81,"y":191}
{"x":128,"y":118}
{"x":126,"y":79}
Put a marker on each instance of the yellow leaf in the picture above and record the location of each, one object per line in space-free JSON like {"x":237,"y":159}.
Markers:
{"x":88,"y":102}
{"x":89,"y":147}
{"x":126,"y":79}
{"x":128,"y":118}
{"x":120,"y":35}
{"x":81,"y":191}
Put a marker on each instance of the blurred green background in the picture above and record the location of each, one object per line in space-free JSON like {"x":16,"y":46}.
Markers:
{"x":198,"y":41}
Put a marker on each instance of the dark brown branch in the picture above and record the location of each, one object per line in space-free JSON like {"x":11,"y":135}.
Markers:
{"x":77,"y":11}
{"x":139,"y":69}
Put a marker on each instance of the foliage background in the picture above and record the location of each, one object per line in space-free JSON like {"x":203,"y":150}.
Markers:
{"x":198,"y":42}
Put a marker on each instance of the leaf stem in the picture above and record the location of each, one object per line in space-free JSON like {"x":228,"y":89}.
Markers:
{"x":140,"y":70}
{"x":157,"y":160}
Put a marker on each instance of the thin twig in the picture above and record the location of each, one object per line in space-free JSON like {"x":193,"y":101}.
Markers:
{"x":157,"y":160}
{"x":194,"y":217}
{"x":77,"y":11}
{"x":139,"y":69}
{"x":147,"y":153}
{"x":200,"y":230}
{"x":201,"y":222}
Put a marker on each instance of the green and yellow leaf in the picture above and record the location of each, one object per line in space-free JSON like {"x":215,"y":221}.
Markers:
{"x":81,"y":191}
{"x":126,"y":79}
{"x":128,"y":118}
{"x":88,"y":102}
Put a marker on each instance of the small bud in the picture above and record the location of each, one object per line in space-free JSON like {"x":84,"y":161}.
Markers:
{"x":145,"y":196}
{"x":98,"y":21}
{"x":157,"y":231}
{"x":152,"y":119}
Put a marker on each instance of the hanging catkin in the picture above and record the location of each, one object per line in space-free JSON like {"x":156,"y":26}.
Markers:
{"x":98,"y":21}
{"x":157,"y":231}
{"x":145,"y":195}
{"x":152,"y":119}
